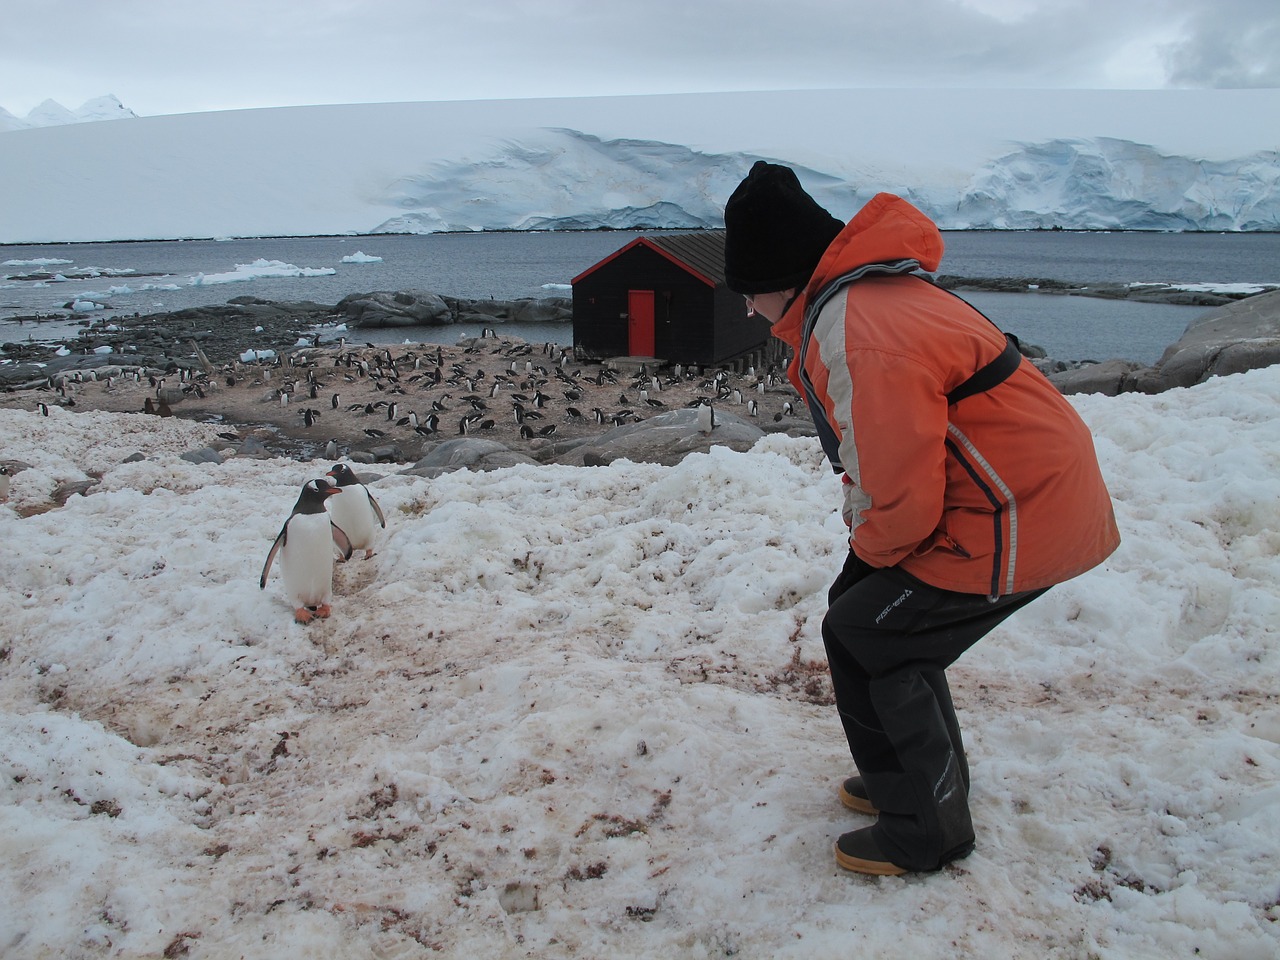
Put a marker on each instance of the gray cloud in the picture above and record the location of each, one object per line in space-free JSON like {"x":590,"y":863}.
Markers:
{"x":1240,"y":50}
{"x":185,"y":55}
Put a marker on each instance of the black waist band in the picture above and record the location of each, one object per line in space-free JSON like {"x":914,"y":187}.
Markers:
{"x":997,"y":371}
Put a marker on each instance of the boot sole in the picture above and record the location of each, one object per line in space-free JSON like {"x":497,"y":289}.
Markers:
{"x":874,"y":868}
{"x":857,"y":804}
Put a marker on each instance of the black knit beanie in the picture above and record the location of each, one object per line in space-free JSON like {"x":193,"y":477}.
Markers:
{"x":775,"y":233}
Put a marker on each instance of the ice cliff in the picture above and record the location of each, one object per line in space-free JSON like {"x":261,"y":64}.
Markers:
{"x":567,"y":180}
{"x":1115,"y":184}
{"x":989,"y":159}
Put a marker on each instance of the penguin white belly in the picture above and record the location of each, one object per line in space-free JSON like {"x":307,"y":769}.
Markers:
{"x":307,"y":559}
{"x":352,"y":512}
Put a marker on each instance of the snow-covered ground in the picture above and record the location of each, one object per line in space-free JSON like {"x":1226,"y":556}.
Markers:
{"x":571,"y":712}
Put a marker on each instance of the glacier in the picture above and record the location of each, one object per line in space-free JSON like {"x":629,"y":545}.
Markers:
{"x":1077,"y":160}
{"x":1118,"y":185}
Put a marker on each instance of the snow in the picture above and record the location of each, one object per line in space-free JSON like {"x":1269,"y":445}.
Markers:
{"x":971,"y":158}
{"x":1233,"y":289}
{"x":582,"y":712}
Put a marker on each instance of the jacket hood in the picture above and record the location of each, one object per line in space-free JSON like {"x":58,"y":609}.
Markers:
{"x":887,"y":228}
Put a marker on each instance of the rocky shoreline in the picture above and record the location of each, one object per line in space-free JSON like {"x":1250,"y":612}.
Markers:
{"x":296,"y":398}
{"x":225,"y":331}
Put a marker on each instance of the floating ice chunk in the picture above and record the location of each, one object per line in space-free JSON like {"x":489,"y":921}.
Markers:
{"x":361,"y":257}
{"x":260,"y":268}
{"x":249,"y":356}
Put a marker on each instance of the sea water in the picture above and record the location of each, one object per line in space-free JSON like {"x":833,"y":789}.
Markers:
{"x":154,"y":276}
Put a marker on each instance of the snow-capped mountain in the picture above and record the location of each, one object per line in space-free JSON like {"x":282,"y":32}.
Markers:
{"x":51,"y":114}
{"x":979,"y":159}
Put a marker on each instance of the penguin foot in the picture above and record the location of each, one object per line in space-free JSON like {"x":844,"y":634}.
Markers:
{"x":302,"y":615}
{"x":368,"y":554}
{"x":323,"y":611}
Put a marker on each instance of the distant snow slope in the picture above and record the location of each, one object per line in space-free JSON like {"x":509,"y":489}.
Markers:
{"x":1185,"y":159}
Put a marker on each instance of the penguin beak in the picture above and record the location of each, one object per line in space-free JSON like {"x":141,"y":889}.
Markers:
{"x":331,"y":491}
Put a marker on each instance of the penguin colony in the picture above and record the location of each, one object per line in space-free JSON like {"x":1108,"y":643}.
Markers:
{"x":341,"y":398}
{"x":312,"y":532}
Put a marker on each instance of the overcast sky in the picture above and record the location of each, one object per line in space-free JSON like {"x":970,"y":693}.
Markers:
{"x":179,"y":56}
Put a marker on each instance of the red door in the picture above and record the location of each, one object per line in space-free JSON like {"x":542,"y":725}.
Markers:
{"x":640,"y":325}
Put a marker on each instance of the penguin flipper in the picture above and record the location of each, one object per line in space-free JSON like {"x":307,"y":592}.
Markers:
{"x":341,"y":539}
{"x":275,"y":548}
{"x":377,"y":510}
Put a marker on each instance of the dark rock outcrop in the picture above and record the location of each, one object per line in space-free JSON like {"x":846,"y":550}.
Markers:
{"x":1240,"y":336}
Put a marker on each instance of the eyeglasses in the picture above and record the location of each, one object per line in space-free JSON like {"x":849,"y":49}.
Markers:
{"x":751,"y":304}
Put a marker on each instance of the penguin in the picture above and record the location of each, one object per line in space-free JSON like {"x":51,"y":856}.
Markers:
{"x":355,"y":510}
{"x":4,"y":483}
{"x":706,"y":417}
{"x":331,"y":449}
{"x":305,"y":545}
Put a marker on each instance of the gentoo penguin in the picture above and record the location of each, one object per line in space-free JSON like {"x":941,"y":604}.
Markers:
{"x":4,"y":483}
{"x":355,"y":510}
{"x":706,"y":417}
{"x":305,"y":545}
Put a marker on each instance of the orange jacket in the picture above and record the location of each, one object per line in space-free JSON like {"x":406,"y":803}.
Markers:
{"x":996,"y":494}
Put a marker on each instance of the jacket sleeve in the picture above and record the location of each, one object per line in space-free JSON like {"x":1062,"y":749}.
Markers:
{"x":894,"y":429}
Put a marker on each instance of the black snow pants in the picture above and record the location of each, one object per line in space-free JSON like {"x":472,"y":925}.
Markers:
{"x":889,"y":639}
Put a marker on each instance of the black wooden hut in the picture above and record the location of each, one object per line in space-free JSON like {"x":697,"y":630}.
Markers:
{"x":664,"y":297}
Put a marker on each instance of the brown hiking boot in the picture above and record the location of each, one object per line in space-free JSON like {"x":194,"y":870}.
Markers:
{"x":853,"y":794}
{"x":859,"y":852}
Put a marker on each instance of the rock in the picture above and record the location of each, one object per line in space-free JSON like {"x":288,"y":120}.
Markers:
{"x":205,"y":455}
{"x":469,"y":453}
{"x":1240,"y":336}
{"x":1107,"y":378}
{"x":385,"y":453}
{"x":406,"y":308}
{"x":65,"y":491}
{"x":667,"y":439}
{"x":548,"y":310}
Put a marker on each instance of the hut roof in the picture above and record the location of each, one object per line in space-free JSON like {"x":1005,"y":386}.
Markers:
{"x":700,"y":251}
